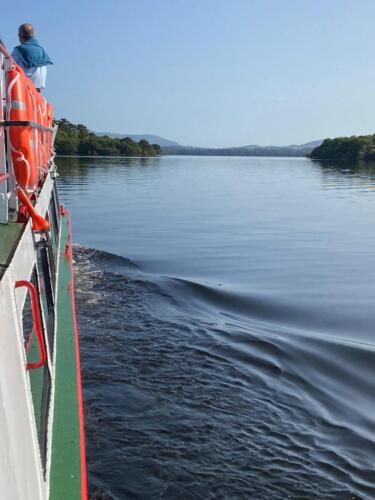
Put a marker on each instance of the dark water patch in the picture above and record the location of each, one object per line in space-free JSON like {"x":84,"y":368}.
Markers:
{"x":191,"y":392}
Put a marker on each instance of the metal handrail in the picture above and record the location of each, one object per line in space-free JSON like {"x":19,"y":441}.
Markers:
{"x":4,"y":200}
{"x":37,"y":324}
{"x":4,"y":51}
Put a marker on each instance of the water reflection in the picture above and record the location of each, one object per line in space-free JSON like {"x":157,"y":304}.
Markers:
{"x":344,"y":176}
{"x":74,"y":165}
{"x":360,"y":167}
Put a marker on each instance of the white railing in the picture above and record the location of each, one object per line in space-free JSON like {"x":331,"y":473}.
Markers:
{"x":8,"y":197}
{"x":3,"y":162}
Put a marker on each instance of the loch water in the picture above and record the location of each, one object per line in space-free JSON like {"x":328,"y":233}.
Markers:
{"x":227,"y":325}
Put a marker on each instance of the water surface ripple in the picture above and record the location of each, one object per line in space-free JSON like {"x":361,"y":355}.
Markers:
{"x":227,"y":326}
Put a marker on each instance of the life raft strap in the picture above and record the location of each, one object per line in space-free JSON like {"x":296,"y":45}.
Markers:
{"x":22,"y":123}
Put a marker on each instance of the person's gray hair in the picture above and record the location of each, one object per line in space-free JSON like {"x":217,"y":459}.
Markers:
{"x":26,"y":31}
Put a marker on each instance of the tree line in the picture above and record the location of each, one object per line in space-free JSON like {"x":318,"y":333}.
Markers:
{"x":351,"y":149}
{"x":77,"y":139}
{"x":236,"y":151}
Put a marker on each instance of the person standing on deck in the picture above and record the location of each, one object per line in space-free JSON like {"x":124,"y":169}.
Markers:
{"x":31,"y":56}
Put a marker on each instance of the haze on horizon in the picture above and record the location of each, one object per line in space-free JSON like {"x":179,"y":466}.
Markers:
{"x":209,"y":73}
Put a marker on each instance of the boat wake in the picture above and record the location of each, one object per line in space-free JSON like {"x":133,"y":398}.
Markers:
{"x":194,"y":391}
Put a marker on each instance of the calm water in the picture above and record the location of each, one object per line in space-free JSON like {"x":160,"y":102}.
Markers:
{"x":226,"y":313}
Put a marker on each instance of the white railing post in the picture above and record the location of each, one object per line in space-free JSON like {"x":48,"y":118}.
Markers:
{"x":3,"y":162}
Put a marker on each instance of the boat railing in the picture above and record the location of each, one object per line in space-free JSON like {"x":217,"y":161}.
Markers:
{"x":4,"y":175}
{"x":8,"y":196}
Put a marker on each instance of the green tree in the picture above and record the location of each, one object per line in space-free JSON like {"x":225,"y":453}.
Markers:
{"x":157,"y":149}
{"x":346,"y":148}
{"x":66,"y":144}
{"x":74,"y":139}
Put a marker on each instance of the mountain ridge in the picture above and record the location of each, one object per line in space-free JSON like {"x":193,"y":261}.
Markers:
{"x":170,"y":147}
{"x":151,"y":138}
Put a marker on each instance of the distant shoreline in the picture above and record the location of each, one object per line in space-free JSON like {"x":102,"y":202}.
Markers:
{"x":171,"y":155}
{"x":254,"y":150}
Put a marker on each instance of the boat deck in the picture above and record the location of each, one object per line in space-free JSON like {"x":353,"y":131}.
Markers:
{"x":10,"y":235}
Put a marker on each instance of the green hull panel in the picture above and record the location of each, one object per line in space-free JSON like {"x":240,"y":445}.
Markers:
{"x":65,"y":476}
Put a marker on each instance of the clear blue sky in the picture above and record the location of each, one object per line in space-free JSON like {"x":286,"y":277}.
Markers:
{"x":208,"y":72}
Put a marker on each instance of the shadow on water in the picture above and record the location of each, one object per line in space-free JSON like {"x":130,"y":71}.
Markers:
{"x":193,"y":392}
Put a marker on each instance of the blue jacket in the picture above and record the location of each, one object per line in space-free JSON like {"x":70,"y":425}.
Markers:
{"x":32,"y":54}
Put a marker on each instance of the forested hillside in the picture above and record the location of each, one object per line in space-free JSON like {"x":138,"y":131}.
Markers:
{"x":77,"y":139}
{"x":346,"y":148}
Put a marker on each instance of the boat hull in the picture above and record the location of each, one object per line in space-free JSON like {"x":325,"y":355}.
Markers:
{"x":41,"y":410}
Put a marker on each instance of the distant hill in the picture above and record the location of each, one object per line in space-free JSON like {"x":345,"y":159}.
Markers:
{"x":307,"y":145}
{"x":151,"y":138}
{"x":169,"y":147}
{"x":250,"y":146}
{"x":250,"y":150}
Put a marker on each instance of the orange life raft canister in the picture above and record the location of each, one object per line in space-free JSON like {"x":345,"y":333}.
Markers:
{"x":20,"y":108}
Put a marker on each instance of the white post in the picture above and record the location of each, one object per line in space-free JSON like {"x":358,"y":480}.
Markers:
{"x":3,"y":163}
